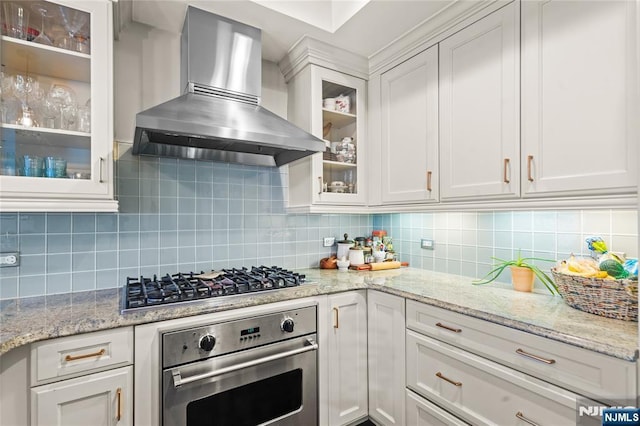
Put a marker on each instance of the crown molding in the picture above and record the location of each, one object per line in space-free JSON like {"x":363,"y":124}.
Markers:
{"x":449,"y":20}
{"x":308,"y":50}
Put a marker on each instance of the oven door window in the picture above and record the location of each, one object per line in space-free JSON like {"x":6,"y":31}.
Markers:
{"x":250,"y":404}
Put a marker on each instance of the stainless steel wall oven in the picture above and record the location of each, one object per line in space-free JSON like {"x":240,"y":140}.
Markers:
{"x":253,"y":371}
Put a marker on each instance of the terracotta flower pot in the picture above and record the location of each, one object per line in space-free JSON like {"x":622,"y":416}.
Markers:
{"x":522,"y":278}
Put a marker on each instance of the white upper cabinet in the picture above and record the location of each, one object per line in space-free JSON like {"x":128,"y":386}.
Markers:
{"x":326,"y":89}
{"x":479,"y":109}
{"x":330,"y":105}
{"x":57,"y":121}
{"x":409,"y":123}
{"x":579,"y":97}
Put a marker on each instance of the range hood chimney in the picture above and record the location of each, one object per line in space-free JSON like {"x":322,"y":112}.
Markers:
{"x":219,"y":117}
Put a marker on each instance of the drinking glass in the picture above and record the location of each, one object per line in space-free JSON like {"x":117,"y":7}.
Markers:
{"x":58,"y":98}
{"x":68,"y":117}
{"x":46,"y":11}
{"x":33,"y":166}
{"x":17,"y":20}
{"x":73,"y":21}
{"x":84,"y":119}
{"x":55,"y":167}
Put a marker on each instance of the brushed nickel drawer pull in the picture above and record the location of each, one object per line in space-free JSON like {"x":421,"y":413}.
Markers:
{"x":100,"y":174}
{"x":524,"y":419}
{"x":537,"y":358}
{"x":446,"y":327}
{"x":429,"y":173}
{"x":91,"y":355}
{"x":439,"y":375}
{"x":505,"y":171}
{"x":336,"y":324}
{"x":529,"y":161}
{"x":119,"y":410}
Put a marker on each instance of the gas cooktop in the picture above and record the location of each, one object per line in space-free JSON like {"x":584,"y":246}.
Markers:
{"x":183,"y":287}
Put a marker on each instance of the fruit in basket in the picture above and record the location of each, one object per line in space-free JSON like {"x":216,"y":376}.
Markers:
{"x":613,"y":268}
{"x":584,"y":267}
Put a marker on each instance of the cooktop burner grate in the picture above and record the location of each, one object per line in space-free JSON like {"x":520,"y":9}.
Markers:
{"x":181,"y":287}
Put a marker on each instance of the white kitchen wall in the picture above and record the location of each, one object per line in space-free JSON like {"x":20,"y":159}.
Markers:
{"x":465,"y":241}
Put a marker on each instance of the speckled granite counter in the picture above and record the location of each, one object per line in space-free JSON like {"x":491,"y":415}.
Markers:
{"x":23,"y":321}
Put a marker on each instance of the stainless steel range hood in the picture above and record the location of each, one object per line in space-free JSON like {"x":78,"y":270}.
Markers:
{"x":219,"y":117}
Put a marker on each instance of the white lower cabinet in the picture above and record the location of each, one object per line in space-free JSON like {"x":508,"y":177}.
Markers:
{"x":347,"y":357}
{"x":84,"y":379}
{"x":104,"y":399}
{"x":481,"y":391}
{"x":386,"y":323}
{"x":421,"y":412}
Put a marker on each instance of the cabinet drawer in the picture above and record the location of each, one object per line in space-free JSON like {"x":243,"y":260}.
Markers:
{"x":483,"y":392}
{"x":72,"y":356}
{"x":421,"y":412}
{"x":589,"y":373}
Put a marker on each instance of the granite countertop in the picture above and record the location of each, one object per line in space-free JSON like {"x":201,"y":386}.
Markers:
{"x":27,"y":320}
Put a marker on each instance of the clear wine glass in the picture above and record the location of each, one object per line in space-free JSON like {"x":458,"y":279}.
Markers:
{"x":58,"y":98}
{"x":73,"y":21}
{"x":46,"y":12}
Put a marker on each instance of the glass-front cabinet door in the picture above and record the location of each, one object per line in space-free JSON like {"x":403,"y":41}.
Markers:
{"x":56,"y":106}
{"x":340,"y":123}
{"x":332,"y":106}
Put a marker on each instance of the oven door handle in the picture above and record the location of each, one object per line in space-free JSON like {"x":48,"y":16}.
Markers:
{"x":178,"y":380}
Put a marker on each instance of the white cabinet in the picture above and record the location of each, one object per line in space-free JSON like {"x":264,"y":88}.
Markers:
{"x":479,"y":109}
{"x":335,"y":177}
{"x":104,"y":398}
{"x":579,"y":97}
{"x":585,"y":372}
{"x":83,"y":377}
{"x":409,"y":126}
{"x":77,"y":129}
{"x":481,"y":391}
{"x":386,"y":324}
{"x":347,"y":357}
{"x":421,"y":412}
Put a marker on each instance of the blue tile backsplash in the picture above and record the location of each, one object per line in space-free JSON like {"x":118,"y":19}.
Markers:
{"x":181,"y":215}
{"x":175,"y":215}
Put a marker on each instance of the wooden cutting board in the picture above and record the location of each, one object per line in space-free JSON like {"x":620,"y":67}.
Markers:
{"x":379,"y":266}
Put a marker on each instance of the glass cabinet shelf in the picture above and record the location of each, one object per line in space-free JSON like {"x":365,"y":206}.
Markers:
{"x":51,"y":61}
{"x":45,"y":136}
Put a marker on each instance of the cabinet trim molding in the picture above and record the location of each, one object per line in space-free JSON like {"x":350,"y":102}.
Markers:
{"x":308,"y":50}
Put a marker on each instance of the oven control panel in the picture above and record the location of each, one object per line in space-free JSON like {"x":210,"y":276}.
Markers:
{"x":182,"y":346}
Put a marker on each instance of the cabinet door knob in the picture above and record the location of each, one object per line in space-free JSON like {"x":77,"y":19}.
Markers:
{"x":505,"y":171}
{"x":529,"y":164}
{"x":429,"y":173}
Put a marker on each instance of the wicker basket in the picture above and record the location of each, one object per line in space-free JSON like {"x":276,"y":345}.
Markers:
{"x":608,"y":298}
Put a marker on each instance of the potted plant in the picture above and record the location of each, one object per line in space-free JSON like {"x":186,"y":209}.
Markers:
{"x":523,"y":273}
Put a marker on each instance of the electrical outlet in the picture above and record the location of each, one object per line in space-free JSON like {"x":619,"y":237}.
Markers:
{"x":427,"y":244}
{"x":328,"y":241}
{"x":9,"y":259}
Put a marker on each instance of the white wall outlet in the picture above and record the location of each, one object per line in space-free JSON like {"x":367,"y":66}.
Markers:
{"x":427,"y":244}
{"x":9,"y":259}
{"x":328,"y":241}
